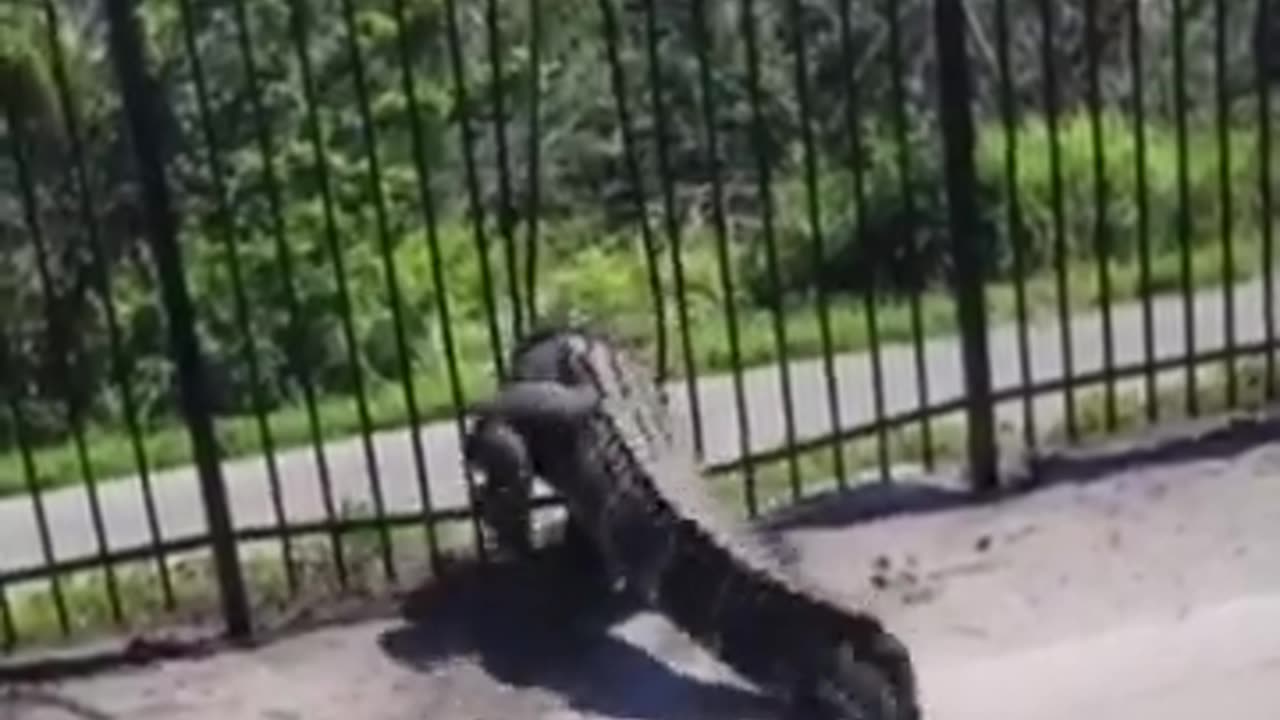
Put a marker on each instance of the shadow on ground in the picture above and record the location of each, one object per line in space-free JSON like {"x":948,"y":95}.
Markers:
{"x":1214,"y":438}
{"x":862,"y":503}
{"x":534,"y":626}
{"x":19,"y":699}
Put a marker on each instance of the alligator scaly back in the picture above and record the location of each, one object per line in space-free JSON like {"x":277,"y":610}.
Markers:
{"x":587,"y":417}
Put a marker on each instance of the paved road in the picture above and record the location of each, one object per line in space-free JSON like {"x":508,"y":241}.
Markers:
{"x":181,"y":511}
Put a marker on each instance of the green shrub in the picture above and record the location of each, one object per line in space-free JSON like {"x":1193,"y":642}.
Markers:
{"x":881,"y":256}
{"x":1121,"y":236}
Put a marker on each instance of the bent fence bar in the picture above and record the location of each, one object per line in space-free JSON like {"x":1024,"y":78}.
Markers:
{"x":256,"y":257}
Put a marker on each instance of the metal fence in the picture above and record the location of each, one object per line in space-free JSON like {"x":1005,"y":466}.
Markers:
{"x":255,"y":257}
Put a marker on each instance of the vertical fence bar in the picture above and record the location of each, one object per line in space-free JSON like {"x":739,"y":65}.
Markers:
{"x":1184,"y":204}
{"x":231,"y":244}
{"x":422,"y":169}
{"x":506,"y":214}
{"x":38,"y":509}
{"x":1009,"y":116}
{"x":710,"y":124}
{"x":1144,"y":213}
{"x":1101,"y":217}
{"x":533,"y":207}
{"x":335,"y":250}
{"x":103,"y":282}
{"x":765,"y":189}
{"x":956,"y":114}
{"x":1226,"y":207}
{"x":405,"y":367}
{"x":284,"y":253}
{"x":670,"y":214}
{"x":356,"y":63}
{"x":467,"y":136}
{"x":905,"y":181}
{"x":853,"y":128}
{"x":301,"y":46}
{"x":816,"y":235}
{"x":1263,"y":80}
{"x":139,"y":91}
{"x":618,"y":79}
{"x":1061,"y":255}
{"x":60,"y":346}
{"x":10,"y":638}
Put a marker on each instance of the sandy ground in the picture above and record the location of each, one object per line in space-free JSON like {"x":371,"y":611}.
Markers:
{"x":1152,"y":591}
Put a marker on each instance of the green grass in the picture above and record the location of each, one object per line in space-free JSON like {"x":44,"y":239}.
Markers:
{"x":34,"y":617}
{"x":111,"y":453}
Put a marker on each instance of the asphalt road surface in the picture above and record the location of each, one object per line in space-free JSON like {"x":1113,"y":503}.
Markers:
{"x":181,"y":511}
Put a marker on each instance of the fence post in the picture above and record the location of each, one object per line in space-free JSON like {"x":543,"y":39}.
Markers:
{"x":139,"y":95}
{"x":956,"y":113}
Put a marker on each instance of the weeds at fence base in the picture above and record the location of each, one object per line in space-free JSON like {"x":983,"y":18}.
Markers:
{"x":320,"y":592}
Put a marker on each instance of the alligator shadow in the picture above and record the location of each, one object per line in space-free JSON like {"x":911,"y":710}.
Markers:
{"x":550,"y":629}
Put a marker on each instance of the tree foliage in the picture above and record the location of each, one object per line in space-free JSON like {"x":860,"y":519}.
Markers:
{"x":278,"y":112}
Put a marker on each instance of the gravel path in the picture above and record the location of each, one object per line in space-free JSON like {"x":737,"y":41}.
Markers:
{"x":181,"y":511}
{"x":1150,"y":592}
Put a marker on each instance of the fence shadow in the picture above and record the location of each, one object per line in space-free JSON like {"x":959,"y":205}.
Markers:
{"x":547,"y":625}
{"x":1214,"y":438}
{"x":863,"y":503}
{"x":15,"y":702}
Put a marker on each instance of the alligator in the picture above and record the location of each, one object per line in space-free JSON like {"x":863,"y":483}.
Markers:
{"x":587,"y":417}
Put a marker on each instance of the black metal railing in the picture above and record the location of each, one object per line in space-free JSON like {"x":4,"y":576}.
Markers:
{"x":255,"y":258}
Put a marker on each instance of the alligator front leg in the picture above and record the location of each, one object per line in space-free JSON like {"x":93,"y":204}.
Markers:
{"x":528,"y":428}
{"x":502,"y":500}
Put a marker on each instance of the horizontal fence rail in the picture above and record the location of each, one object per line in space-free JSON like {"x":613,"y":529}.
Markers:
{"x":257,"y":256}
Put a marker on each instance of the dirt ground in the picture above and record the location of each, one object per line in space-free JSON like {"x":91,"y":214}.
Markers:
{"x":1151,"y":590}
